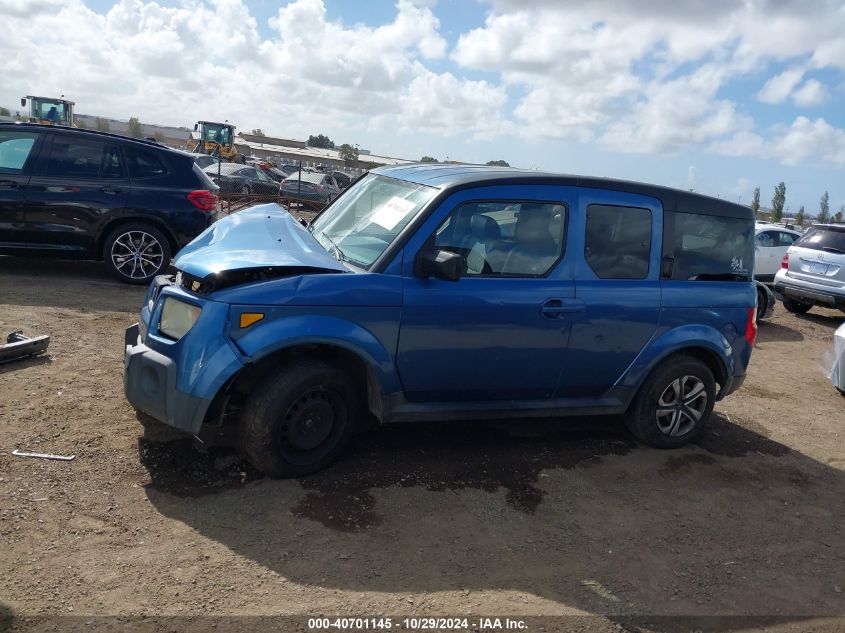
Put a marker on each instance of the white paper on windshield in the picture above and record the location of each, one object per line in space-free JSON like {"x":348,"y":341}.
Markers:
{"x":392,"y":212}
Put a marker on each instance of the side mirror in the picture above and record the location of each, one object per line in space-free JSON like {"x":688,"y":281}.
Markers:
{"x":196,"y":126}
{"x":23,"y":102}
{"x":444,"y":265}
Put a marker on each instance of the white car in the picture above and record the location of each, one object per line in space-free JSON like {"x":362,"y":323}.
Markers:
{"x":770,"y":245}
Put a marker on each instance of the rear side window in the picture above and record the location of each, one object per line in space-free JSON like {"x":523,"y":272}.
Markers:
{"x":144,"y":163}
{"x":830,"y":240}
{"x":618,"y":241}
{"x":83,"y":158}
{"x":710,"y":247}
{"x":15,"y":149}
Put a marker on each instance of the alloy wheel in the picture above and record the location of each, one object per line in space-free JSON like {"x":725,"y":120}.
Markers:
{"x":137,"y":254}
{"x":681,"y":406}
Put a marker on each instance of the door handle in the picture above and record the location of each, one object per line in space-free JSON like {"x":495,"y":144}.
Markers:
{"x":111,"y":190}
{"x":554,"y":308}
{"x":9,"y":184}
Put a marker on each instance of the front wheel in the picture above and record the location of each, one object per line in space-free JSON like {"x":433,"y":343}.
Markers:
{"x":135,"y":253}
{"x":796,"y":307}
{"x":299,"y":419}
{"x":673,"y":403}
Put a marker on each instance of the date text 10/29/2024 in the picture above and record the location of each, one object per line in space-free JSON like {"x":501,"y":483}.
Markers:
{"x":416,"y":624}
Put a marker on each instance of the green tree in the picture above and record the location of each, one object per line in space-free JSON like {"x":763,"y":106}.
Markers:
{"x":321,"y":140}
{"x":159,"y":136}
{"x":824,"y":208}
{"x":755,"y":202}
{"x":838,"y":217}
{"x":5,"y":112}
{"x":799,"y":217}
{"x":429,"y":159}
{"x":497,"y":163}
{"x":102,"y":124}
{"x":135,"y":129}
{"x":348,"y":154}
{"x":778,"y":201}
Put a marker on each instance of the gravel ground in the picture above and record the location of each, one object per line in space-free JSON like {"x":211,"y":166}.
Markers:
{"x":519,"y":519}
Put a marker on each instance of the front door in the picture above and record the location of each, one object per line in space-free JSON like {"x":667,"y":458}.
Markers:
{"x":501,"y":330}
{"x":618,"y":281}
{"x":77,"y":183}
{"x":18,"y":148}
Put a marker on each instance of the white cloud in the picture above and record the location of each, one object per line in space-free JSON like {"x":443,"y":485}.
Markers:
{"x":779,"y":87}
{"x":812,"y":93}
{"x":813,"y":141}
{"x":629,"y":76}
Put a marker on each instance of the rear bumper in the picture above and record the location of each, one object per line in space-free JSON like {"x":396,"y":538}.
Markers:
{"x":734,"y":383}
{"x":793,"y":289}
{"x":149,"y":382}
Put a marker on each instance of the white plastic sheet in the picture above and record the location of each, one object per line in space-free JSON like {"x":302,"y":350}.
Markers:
{"x":837,"y":372}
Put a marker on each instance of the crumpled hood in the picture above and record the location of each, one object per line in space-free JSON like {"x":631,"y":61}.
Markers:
{"x":264,"y":236}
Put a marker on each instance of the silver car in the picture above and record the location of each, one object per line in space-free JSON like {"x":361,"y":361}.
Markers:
{"x":813,"y":270}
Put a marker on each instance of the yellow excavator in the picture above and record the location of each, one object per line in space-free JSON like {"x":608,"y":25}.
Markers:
{"x":49,"y":110}
{"x":215,"y":139}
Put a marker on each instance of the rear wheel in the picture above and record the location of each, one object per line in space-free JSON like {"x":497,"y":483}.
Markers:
{"x":796,"y":307}
{"x":299,"y":419}
{"x":135,"y":253}
{"x":673,"y":403}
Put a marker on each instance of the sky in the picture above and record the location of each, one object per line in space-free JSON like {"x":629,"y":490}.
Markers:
{"x":719,"y":96}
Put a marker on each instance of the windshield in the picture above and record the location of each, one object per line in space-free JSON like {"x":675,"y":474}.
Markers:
{"x":361,"y":224}
{"x":49,"y":110}
{"x":823,"y":239}
{"x":216,"y":133}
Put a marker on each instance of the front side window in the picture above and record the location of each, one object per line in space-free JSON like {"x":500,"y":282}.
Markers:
{"x":360,"y":225}
{"x":617,"y":243}
{"x":711,"y":247}
{"x":505,"y":239}
{"x":767,"y":239}
{"x":786,"y":239}
{"x":15,"y":149}
{"x":83,"y":158}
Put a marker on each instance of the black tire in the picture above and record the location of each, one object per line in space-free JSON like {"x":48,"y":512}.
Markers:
{"x":796,"y":307}
{"x":278,"y":432}
{"x":761,"y":306}
{"x":136,"y":252}
{"x":678,"y":425}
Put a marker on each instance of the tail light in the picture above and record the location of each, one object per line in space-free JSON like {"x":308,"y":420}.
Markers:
{"x":784,"y":263}
{"x":203,"y":199}
{"x":751,"y":326}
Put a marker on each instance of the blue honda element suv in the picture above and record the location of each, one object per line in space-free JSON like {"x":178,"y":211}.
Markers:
{"x":435,"y":292}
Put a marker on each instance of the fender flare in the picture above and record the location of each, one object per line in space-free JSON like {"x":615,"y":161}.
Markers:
{"x":685,"y":337}
{"x":294,"y":331}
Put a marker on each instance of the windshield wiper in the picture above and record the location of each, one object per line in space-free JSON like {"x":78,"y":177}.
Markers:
{"x":339,"y":254}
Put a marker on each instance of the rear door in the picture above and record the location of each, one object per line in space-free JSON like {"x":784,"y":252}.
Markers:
{"x":769,"y":249}
{"x":78,"y":183}
{"x":617,"y":277}
{"x":18,"y":150}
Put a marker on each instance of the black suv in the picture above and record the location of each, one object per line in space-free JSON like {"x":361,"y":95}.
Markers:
{"x":81,"y":194}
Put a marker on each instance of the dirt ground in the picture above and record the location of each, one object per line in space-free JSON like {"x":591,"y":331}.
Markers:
{"x":465,"y":520}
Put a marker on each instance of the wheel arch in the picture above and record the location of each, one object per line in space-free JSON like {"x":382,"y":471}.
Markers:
{"x":700,"y":342}
{"x":353,"y":363}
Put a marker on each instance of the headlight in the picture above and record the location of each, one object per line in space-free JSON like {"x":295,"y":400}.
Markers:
{"x":177,"y":317}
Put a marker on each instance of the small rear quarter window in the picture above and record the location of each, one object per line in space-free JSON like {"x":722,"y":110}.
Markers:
{"x":711,"y":247}
{"x":144,"y":163}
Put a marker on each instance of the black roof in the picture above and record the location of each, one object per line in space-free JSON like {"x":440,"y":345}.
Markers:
{"x":87,"y":132}
{"x":449,"y":176}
